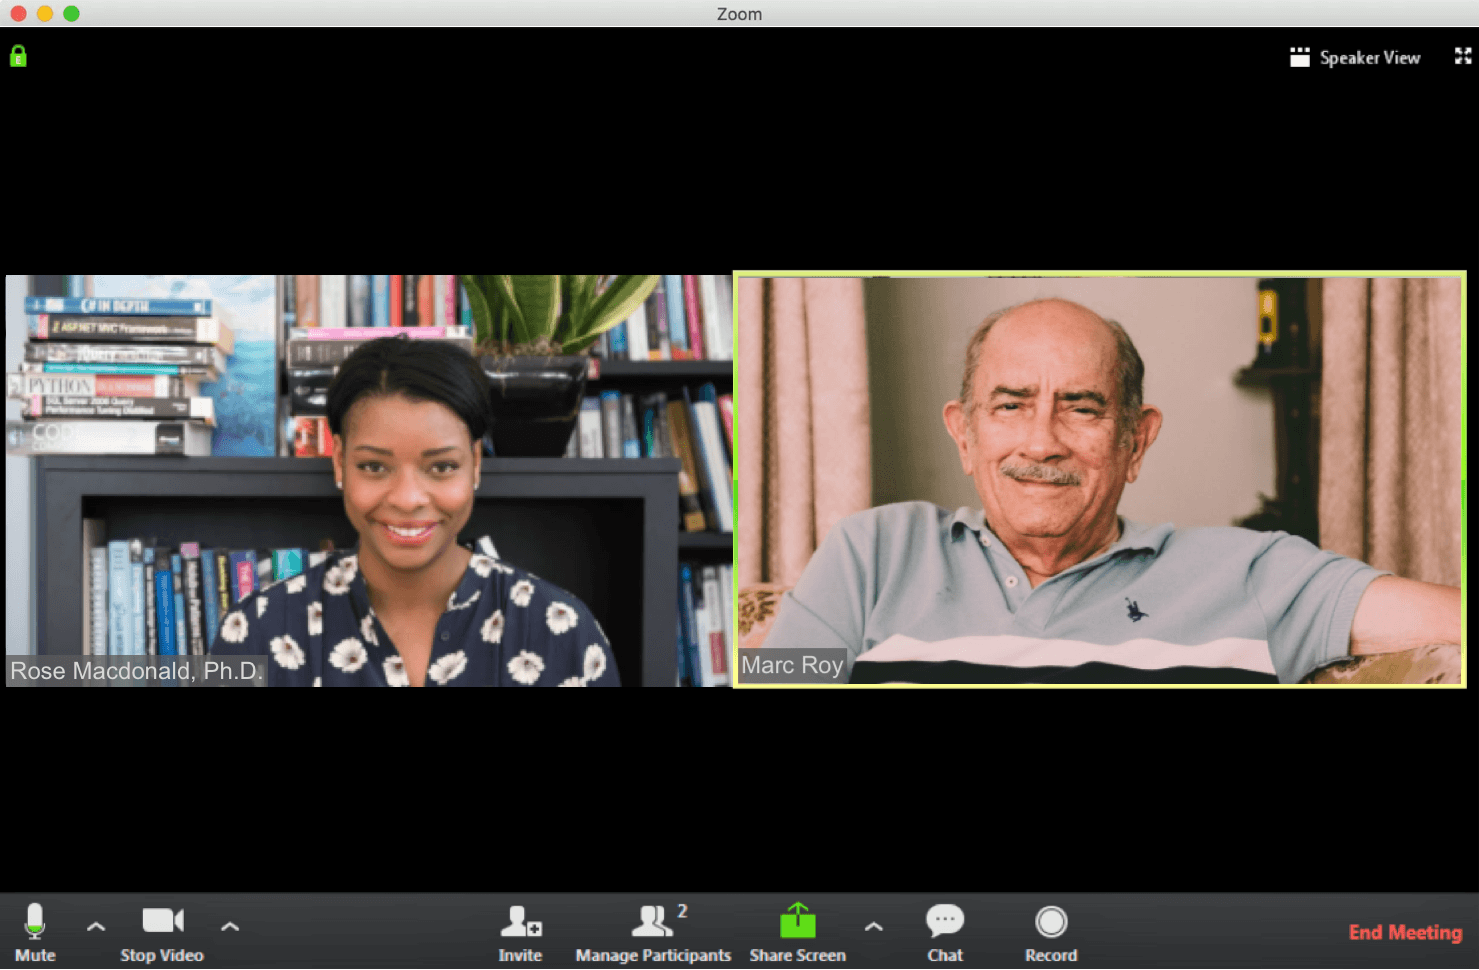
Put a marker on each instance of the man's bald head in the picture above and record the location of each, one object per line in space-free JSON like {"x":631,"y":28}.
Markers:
{"x":1129,"y":371}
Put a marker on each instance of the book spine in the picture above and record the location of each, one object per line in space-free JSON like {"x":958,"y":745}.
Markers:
{"x":333,"y":300}
{"x":448,"y":299}
{"x":136,"y":594}
{"x":636,"y":326}
{"x":286,"y":563}
{"x":308,"y":390}
{"x":410,"y":312}
{"x":223,"y":583}
{"x":630,"y":446}
{"x":84,"y":436}
{"x":208,"y":596}
{"x":164,"y":408}
{"x":701,"y":467}
{"x":177,"y":579}
{"x":194,"y":599}
{"x":611,"y":422}
{"x":715,"y":465}
{"x":308,"y":315}
{"x":380,"y":301}
{"x":160,"y":330}
{"x":119,"y":307}
{"x":725,"y":330}
{"x":464,"y":308}
{"x":658,"y":347}
{"x":100,"y":601}
{"x":572,"y":445}
{"x":664,"y":432}
{"x":151,"y":633}
{"x":243,"y":575}
{"x":702,"y":629}
{"x":362,"y":334}
{"x":689,"y":492}
{"x":672,"y":287}
{"x":139,"y":353}
{"x":590,"y":427}
{"x":439,"y":301}
{"x":686,"y":675}
{"x":425,"y":302}
{"x":175,"y":370}
{"x":714,"y":601}
{"x":288,"y":301}
{"x":397,"y":301}
{"x":695,"y":317}
{"x":726,"y":601}
{"x":690,"y":627}
{"x":30,"y":384}
{"x":359,"y":301}
{"x":322,"y":353}
{"x":726,"y":413}
{"x":164,"y":599}
{"x":715,"y":319}
{"x":264,"y":569}
{"x":119,"y":628}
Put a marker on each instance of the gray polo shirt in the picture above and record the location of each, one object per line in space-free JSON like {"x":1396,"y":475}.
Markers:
{"x":918,"y":594}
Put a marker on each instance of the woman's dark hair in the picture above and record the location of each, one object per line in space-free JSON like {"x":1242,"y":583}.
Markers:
{"x":420,"y":370}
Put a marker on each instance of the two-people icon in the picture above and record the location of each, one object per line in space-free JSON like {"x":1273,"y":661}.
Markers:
{"x":517,"y":926}
{"x":652,"y":923}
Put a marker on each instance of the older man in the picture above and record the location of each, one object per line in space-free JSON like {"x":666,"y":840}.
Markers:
{"x":1050,"y":584}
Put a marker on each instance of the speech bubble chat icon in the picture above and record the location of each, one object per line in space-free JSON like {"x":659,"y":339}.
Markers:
{"x":944,"y":918}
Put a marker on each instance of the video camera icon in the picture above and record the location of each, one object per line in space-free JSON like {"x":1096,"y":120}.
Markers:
{"x":163,"y":920}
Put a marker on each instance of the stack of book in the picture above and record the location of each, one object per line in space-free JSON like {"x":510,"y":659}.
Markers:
{"x":685,"y":318}
{"x":705,"y":625}
{"x":699,"y":432}
{"x":141,"y":598}
{"x":313,"y":356}
{"x":117,"y":377}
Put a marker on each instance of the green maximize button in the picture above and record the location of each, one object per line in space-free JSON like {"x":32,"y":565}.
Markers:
{"x":798,"y":926}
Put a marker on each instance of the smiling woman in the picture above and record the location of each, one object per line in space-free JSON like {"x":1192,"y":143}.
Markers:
{"x":410,"y":605}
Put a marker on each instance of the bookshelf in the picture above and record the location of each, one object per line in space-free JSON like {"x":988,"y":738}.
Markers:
{"x":604,"y":529}
{"x":671,"y":376}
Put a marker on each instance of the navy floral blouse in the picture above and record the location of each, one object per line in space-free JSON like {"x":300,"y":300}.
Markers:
{"x":502,"y":627}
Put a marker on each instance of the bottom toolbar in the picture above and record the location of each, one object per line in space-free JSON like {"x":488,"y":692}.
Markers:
{"x":310,"y":930}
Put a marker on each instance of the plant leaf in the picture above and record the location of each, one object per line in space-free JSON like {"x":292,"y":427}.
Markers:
{"x":539,"y":306}
{"x":513,"y":313}
{"x":582,"y":290}
{"x":620,"y":301}
{"x":482,"y":315}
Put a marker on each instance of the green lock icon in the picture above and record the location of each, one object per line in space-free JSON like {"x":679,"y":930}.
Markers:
{"x":798,"y":926}
{"x":17,"y":60}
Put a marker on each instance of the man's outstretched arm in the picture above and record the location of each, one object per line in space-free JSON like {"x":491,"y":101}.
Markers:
{"x":1403,"y":614}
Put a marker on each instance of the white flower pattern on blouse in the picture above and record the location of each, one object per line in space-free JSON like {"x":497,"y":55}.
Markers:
{"x":349,"y":655}
{"x":287,"y":652}
{"x":500,"y":626}
{"x":448,"y":667}
{"x":559,"y":617}
{"x":526,"y":668}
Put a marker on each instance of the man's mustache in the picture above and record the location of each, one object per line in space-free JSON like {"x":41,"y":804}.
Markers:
{"x":1040,"y":473}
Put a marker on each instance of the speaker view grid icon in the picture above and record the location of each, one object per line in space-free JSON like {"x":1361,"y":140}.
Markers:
{"x":1299,"y":57}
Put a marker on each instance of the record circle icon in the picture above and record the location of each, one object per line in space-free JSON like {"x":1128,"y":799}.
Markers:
{"x":1051,"y":922}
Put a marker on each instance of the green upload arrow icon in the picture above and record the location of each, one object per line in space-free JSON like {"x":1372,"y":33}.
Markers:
{"x":797,"y":926}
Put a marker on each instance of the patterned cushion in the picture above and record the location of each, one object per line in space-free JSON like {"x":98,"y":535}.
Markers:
{"x":1437,"y":663}
{"x":1434,"y":664}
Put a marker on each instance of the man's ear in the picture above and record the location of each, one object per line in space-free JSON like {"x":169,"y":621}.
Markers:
{"x":1145,"y":435}
{"x":958,"y":425}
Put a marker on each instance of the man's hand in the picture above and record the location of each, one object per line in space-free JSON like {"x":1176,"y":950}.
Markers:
{"x":1403,"y":614}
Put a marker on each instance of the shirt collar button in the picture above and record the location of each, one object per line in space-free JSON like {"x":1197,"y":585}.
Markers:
{"x":1011,"y":581}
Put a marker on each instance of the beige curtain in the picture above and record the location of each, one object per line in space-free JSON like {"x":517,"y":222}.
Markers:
{"x":804,"y":459}
{"x":1389,"y":416}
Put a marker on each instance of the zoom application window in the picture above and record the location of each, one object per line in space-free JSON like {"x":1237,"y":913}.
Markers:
{"x":746,"y":929}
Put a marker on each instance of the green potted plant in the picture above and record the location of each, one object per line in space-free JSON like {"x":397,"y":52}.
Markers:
{"x":530,"y":338}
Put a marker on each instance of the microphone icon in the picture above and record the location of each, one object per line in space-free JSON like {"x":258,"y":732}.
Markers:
{"x":34,"y":926}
